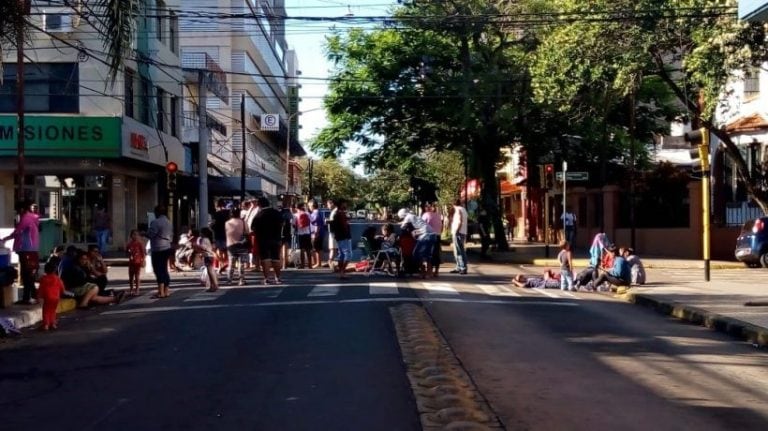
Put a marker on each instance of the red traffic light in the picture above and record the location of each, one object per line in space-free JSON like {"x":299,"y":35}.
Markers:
{"x":549,"y":168}
{"x":171,"y":167}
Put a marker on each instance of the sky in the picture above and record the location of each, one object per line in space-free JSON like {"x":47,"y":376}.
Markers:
{"x":307,"y":39}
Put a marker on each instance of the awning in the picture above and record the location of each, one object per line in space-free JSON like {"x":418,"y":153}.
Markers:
{"x":507,"y":188}
{"x":224,"y":186}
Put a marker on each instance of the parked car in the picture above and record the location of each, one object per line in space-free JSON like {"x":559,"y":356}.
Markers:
{"x":362,"y":214}
{"x":752,"y":243}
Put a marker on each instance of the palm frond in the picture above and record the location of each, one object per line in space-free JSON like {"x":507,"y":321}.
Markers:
{"x":118,"y":28}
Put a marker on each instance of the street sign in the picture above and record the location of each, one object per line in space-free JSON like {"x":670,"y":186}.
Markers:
{"x":572,"y":176}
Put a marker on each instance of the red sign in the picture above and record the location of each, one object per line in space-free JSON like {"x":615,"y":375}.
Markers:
{"x":139,"y":142}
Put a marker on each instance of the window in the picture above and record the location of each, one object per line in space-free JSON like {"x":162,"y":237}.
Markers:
{"x":174,"y":115}
{"x":752,"y":83}
{"x":144,"y":104}
{"x":173,"y":31}
{"x":159,"y":11}
{"x":129,"y":93}
{"x":160,"y":109}
{"x":48,"y":87}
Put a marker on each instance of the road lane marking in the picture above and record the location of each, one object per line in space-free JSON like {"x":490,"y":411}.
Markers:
{"x":337,"y":302}
{"x":544,"y":292}
{"x":330,"y":289}
{"x":496,"y":290}
{"x":440,"y":288}
{"x":383,"y":288}
{"x":205,"y":296}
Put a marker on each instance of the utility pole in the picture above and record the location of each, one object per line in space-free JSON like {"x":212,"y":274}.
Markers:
{"x":202,"y":150}
{"x":288,"y":152}
{"x":24,"y":6}
{"x":243,"y":164}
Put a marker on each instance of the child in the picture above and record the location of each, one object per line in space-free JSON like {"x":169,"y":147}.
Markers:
{"x":50,"y":290}
{"x":136,"y":258}
{"x":566,"y":266}
{"x":56,"y":254}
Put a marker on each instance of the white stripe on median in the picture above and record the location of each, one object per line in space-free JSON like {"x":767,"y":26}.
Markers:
{"x":496,"y":290}
{"x":331,"y":289}
{"x":440,"y":288}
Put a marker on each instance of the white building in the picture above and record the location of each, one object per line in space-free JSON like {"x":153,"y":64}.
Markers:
{"x":91,"y":142}
{"x":252,"y":53}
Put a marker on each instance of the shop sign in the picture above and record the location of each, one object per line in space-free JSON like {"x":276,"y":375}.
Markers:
{"x":62,"y":136}
{"x":139,"y":142}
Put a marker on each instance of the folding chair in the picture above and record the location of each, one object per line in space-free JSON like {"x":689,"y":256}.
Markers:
{"x":386,"y":261}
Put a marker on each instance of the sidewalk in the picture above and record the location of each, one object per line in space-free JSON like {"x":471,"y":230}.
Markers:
{"x":718,"y":304}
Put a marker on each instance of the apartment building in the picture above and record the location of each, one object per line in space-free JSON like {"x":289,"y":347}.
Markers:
{"x":90,"y":141}
{"x":243,"y":43}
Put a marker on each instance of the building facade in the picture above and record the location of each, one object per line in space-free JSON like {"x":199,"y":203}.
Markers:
{"x":260,"y":71}
{"x":92,"y":141}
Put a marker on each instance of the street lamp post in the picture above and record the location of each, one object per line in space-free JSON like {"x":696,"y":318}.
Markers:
{"x":288,"y":150}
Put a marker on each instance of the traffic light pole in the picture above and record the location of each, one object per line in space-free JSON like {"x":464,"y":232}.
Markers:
{"x":705,"y":216}
{"x":546,"y":223}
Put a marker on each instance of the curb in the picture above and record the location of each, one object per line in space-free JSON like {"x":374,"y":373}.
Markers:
{"x":24,"y":318}
{"x":753,"y":334}
{"x":583,"y":263}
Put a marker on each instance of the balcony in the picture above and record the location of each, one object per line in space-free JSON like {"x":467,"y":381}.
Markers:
{"x":191,"y":123}
{"x":194,"y":62}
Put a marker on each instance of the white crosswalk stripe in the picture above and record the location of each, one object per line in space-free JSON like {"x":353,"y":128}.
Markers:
{"x":331,"y":289}
{"x":205,"y":296}
{"x":545,"y":293}
{"x":496,"y":290}
{"x":383,"y":288}
{"x":440,"y":288}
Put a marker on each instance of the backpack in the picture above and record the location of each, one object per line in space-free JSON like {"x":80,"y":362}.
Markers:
{"x":303,"y":220}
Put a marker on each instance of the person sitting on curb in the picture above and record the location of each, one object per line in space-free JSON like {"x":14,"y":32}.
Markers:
{"x":618,"y":274}
{"x":78,"y":280}
{"x":636,"y":268}
{"x":98,"y":268}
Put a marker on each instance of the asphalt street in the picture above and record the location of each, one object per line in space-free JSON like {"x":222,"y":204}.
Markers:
{"x":319,"y":353}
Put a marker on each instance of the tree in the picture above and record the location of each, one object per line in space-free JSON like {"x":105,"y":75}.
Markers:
{"x":444,"y":78}
{"x":693,"y":47}
{"x":332,"y":180}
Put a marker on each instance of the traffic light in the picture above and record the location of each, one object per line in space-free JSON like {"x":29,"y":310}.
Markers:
{"x":699,"y":140}
{"x":171,"y":168}
{"x":549,"y":173}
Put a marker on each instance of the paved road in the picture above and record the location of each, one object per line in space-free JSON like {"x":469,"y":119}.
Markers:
{"x":319,"y":354}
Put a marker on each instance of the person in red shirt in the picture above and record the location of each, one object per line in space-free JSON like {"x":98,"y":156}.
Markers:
{"x":50,"y":291}
{"x":136,"y":257}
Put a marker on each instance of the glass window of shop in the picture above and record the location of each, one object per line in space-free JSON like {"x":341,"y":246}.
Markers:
{"x":73,"y":200}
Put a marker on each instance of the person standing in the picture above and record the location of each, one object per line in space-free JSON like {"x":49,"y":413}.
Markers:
{"x":569,"y":225}
{"x":267,"y":225}
{"x":51,"y":289}
{"x":248,"y":218}
{"x":511,"y":225}
{"x":317,"y":233}
{"x":136,"y":259}
{"x":220,"y":218}
{"x":566,"y":266}
{"x":101,"y":226}
{"x":237,"y":246}
{"x":343,"y":236}
{"x":459,"y":234}
{"x":435,"y":222}
{"x":160,"y":244}
{"x":425,"y":240}
{"x":26,"y":243}
{"x":332,"y":246}
{"x":303,"y":234}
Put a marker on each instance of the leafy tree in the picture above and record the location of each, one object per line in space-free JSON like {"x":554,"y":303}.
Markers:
{"x":332,"y":180}
{"x":692,"y":47}
{"x":444,"y":77}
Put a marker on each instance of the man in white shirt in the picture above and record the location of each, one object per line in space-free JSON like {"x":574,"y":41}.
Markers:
{"x":426,"y":241}
{"x":459,"y":234}
{"x":569,"y":224}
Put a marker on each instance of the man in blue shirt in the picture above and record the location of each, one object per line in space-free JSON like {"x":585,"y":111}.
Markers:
{"x":618,"y":275}
{"x":317,"y":231}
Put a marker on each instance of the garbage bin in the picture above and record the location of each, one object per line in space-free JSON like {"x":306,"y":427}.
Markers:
{"x":51,"y":235}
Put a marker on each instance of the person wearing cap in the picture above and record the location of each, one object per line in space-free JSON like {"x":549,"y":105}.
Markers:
{"x":425,"y":240}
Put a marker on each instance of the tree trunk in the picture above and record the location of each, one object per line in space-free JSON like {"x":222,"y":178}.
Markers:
{"x":486,"y":162}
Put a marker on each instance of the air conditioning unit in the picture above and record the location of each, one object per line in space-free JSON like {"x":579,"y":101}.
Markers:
{"x":57,"y":22}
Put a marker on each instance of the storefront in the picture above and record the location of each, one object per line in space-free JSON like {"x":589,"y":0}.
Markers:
{"x":75,"y":165}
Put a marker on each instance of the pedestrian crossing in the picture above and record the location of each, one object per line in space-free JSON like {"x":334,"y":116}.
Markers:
{"x":350,"y":290}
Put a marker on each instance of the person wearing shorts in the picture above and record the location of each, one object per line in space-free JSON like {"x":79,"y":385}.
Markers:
{"x":266,"y":225}
{"x":339,"y":226}
{"x":332,"y":246}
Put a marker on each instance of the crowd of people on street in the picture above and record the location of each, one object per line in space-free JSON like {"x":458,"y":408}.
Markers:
{"x":258,"y":237}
